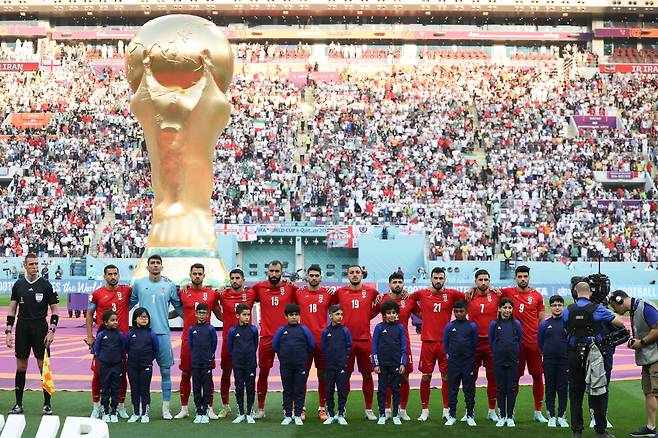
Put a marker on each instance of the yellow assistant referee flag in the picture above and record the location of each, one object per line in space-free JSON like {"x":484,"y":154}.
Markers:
{"x":47,"y":381}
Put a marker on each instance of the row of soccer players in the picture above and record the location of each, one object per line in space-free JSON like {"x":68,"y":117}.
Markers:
{"x":360,"y":304}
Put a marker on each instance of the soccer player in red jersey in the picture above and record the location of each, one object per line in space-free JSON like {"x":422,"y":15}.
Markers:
{"x":273,"y":295}
{"x":435,"y":304}
{"x":229,"y":300}
{"x":407,"y":307}
{"x":115,"y":297}
{"x":360,"y":305}
{"x":529,"y":310}
{"x":482,"y":309}
{"x":314,"y":301}
{"x":190,"y":298}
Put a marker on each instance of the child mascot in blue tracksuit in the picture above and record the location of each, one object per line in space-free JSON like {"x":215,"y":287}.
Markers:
{"x":336,"y":345}
{"x":242,"y":343}
{"x":110,"y":350}
{"x":142,"y":347}
{"x":552,"y":340}
{"x":389,"y":358}
{"x":293,"y":343}
{"x":202,"y":339}
{"x":505,"y":337}
{"x":460,"y":340}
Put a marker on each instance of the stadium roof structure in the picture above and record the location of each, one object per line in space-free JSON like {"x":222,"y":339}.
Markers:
{"x":71,"y":8}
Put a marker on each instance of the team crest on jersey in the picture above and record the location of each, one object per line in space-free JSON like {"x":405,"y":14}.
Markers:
{"x":363,"y":294}
{"x":529,"y":300}
{"x":119,"y":296}
{"x":445,"y":297}
{"x":403,"y":304}
{"x":205,"y":296}
{"x":244,"y":297}
{"x":489,"y":297}
{"x":320,"y":299}
{"x":283,"y":291}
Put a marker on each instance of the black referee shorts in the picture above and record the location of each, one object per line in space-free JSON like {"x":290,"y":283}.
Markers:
{"x":29,"y":336}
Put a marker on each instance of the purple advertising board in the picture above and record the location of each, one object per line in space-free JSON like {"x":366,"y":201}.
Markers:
{"x":595,"y":122}
{"x":617,"y":174}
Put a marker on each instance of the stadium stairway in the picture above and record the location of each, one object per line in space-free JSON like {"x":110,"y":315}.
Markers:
{"x":98,"y":234}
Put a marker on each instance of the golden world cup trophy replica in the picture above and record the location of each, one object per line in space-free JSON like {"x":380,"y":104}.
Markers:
{"x":179,"y":68}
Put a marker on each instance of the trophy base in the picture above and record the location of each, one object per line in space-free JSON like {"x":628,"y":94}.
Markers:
{"x":176,"y":265}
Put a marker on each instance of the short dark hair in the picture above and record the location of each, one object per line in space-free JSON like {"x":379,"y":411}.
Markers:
{"x":390,"y":305}
{"x":334,"y":308}
{"x":291,"y":308}
{"x":314,"y":267}
{"x":139,"y":312}
{"x":505,"y":300}
{"x":618,"y":297}
{"x":556,"y":299}
{"x":198,"y":266}
{"x":354,"y":266}
{"x":31,"y":255}
{"x":202,"y":306}
{"x":109,"y":267}
{"x":522,"y":268}
{"x":482,"y":272}
{"x":274,"y":263}
{"x":395,"y":276}
{"x":107,"y":315}
{"x":238,"y":271}
{"x":461,"y":304}
{"x":437,"y":270}
{"x":241,"y":308}
{"x":154,"y":257}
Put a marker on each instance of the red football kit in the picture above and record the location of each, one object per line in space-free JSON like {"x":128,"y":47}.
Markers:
{"x":229,"y":300}
{"x":190,"y":298}
{"x":357,"y":313}
{"x":314,"y":315}
{"x":482,"y":309}
{"x":407,"y":306}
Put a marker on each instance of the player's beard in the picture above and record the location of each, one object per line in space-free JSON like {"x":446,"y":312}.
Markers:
{"x":112,"y":283}
{"x":397,"y":290}
{"x":274,"y":280}
{"x":355,"y":282}
{"x":197,"y":284}
{"x":523,"y":284}
{"x":235,"y":286}
{"x":437,"y":288}
{"x":314,"y":283}
{"x":483,"y":290}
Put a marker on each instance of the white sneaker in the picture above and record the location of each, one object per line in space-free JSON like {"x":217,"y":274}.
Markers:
{"x":510,"y":422}
{"x":501,"y":422}
{"x":387,"y":413}
{"x":96,"y":412}
{"x":197,"y":420}
{"x":211,"y":414}
{"x":552,"y":422}
{"x":166,"y":413}
{"x":260,"y":414}
{"x":465,"y":417}
{"x":184,"y":413}
{"x":250,"y":419}
{"x":239,"y":419}
{"x":145,"y":419}
{"x":370,"y":415}
{"x":205,"y":419}
{"x":450,"y":421}
{"x":382,"y":420}
{"x":471,"y":421}
{"x":492,"y":415}
{"x":608,"y":424}
{"x":342,"y":421}
{"x":329,"y":420}
{"x":114,"y":419}
{"x":403,"y":415}
{"x":105,"y":418}
{"x":424,"y":415}
{"x":298,"y":421}
{"x":121,"y":411}
{"x":134,"y":418}
{"x":286,"y":421}
{"x":539,"y":417}
{"x":446,"y":413}
{"x":397,"y":421}
{"x":562,"y":422}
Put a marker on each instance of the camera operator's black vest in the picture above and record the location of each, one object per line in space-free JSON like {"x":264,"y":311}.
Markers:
{"x":581,"y":324}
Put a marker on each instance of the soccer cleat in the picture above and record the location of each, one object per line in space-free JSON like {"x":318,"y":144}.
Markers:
{"x":250,"y":419}
{"x":370,"y":415}
{"x":329,"y":420}
{"x":387,"y":413}
{"x":197,"y":419}
{"x":342,"y":421}
{"x":239,"y":419}
{"x":134,"y":418}
{"x":510,"y":422}
{"x":211,"y":414}
{"x":286,"y":421}
{"x":299,"y":421}
{"x":552,"y":422}
{"x":322,"y":415}
{"x":471,"y":421}
{"x":184,"y":413}
{"x":166,"y":413}
{"x":16,"y":410}
{"x":96,"y":412}
{"x":381,"y":420}
{"x":451,"y":421}
{"x":424,"y":415}
{"x":397,"y":421}
{"x":105,"y":418}
{"x":47,"y":410}
{"x":644,"y":431}
{"x":121,"y":411}
{"x":562,"y":422}
{"x":403,"y":415}
{"x":501,"y":422}
{"x":114,"y":419}
{"x":145,"y":419}
{"x":492,"y":415}
{"x":260,"y":414}
{"x":539,"y":417}
{"x":224,"y":411}
{"x":446,"y":413}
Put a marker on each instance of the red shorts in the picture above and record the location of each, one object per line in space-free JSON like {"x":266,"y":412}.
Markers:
{"x":186,"y":358}
{"x":432,"y":352}
{"x":226,"y":359}
{"x":361,"y":350}
{"x":318,"y":357}
{"x":409,"y":368}
{"x":484,"y":355}
{"x":265,"y":353}
{"x":531,"y":355}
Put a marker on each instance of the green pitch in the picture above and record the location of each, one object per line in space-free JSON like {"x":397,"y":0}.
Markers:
{"x":626,"y":414}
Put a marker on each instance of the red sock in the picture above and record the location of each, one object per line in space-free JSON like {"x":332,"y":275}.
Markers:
{"x":389,"y":396}
{"x":212,"y":392}
{"x":425,"y":394}
{"x":538,"y":391}
{"x":445,"y":393}
{"x":368,"y":388}
{"x":491,"y":389}
{"x":404,"y":394}
{"x":225,"y":385}
{"x":185,"y":387}
{"x":261,"y":387}
{"x":322,"y":390}
{"x":95,"y":387}
{"x":124,"y":387}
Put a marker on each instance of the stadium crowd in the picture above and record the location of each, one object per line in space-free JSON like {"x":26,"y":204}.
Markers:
{"x":482,"y":156}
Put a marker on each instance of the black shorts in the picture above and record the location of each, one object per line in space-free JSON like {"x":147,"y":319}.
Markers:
{"x":29,"y":336}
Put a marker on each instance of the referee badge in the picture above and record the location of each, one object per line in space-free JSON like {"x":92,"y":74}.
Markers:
{"x":38,"y":296}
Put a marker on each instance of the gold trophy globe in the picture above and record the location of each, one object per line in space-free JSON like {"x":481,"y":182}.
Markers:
{"x":179,"y":68}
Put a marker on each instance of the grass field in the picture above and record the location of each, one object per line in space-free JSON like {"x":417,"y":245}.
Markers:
{"x":626,"y":414}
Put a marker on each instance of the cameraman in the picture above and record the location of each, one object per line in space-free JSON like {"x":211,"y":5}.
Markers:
{"x":644,"y":326}
{"x":583,"y":321}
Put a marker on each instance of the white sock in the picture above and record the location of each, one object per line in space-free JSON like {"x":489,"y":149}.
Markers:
{"x":97,"y":404}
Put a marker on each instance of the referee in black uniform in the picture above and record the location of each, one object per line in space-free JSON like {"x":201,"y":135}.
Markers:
{"x":31,"y":296}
